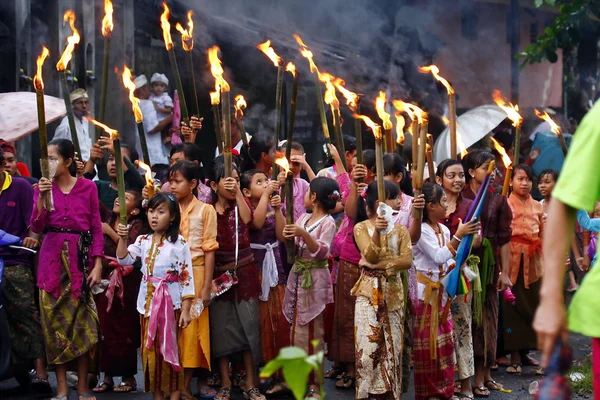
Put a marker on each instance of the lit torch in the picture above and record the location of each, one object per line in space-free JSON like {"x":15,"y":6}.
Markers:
{"x":283,"y":163}
{"x":418,"y":179}
{"x":460,"y":144}
{"x":107,"y":28}
{"x":451,"y":106}
{"x":215,"y":100}
{"x":166,"y":30}
{"x":222,"y":86}
{"x":380,"y":103}
{"x":240,"y":105}
{"x":418,"y":118}
{"x":38,"y":84}
{"x":137,"y":112}
{"x":378,"y":154}
{"x":353,"y":102}
{"x":555,"y":129}
{"x":278,"y":62}
{"x":306,"y":53}
{"x":61,"y":67}
{"x":512,"y":112}
{"x":116,"y":139}
{"x":148,"y":176}
{"x":400,"y":123}
{"x":331,"y":99}
{"x":291,"y":68}
{"x":429,"y":157}
{"x":187,"y":42}
{"x":507,"y":163}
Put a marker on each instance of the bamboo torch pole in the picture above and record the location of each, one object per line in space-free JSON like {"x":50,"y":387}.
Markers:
{"x":289,"y":209}
{"x":293,"y":103}
{"x":321,"y":107}
{"x":453,"y":134}
{"x":418,"y":213}
{"x":120,"y":178}
{"x":215,"y":100}
{"x":358,"y":135}
{"x":166,"y":29}
{"x":70,"y":118}
{"x":107,"y":28}
{"x":226,"y":110}
{"x":187,"y":42}
{"x":507,"y":178}
{"x":278,"y":100}
{"x":137,"y":112}
{"x":517,"y":145}
{"x":240,"y":104}
{"x":429,"y":156}
{"x":41,"y":113}
{"x":414,"y":129}
{"x":379,"y":167}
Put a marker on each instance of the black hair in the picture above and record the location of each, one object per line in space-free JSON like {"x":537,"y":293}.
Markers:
{"x":189,"y":170}
{"x":349,"y":143}
{"x":444,"y":165}
{"x":505,"y":139}
{"x":246,"y":178}
{"x":433,"y":193}
{"x":216,"y":171}
{"x":171,"y":202}
{"x":141,"y":216}
{"x":394,"y":164}
{"x":552,"y":172}
{"x":327,"y":191}
{"x":475,"y":159}
{"x":366,"y":204}
{"x":369,"y":159}
{"x":298,"y":147}
{"x":66,"y":150}
{"x":1,"y":157}
{"x":261,"y":142}
{"x":190,"y":151}
{"x":525,"y":168}
{"x":133,"y":154}
{"x":161,"y":172}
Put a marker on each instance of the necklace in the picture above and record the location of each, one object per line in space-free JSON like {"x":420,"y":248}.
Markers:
{"x":153,"y":254}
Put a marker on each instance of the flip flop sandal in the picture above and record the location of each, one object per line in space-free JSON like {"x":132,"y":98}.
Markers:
{"x":540,"y":372}
{"x":254,"y":394}
{"x":214,"y":380}
{"x":463,"y":396}
{"x":492,"y":385}
{"x":125,"y":387}
{"x":81,"y":396}
{"x":99,"y":389}
{"x":63,"y":397}
{"x":312,"y":394}
{"x":41,"y":385}
{"x":278,"y":390}
{"x":481,"y":392}
{"x":517,"y":369}
{"x":207,"y":393}
{"x":347,"y":382}
{"x":223,"y":393}
{"x":332,"y":373}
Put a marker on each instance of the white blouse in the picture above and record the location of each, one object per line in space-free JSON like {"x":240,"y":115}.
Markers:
{"x":171,"y":259}
{"x":430,"y":253}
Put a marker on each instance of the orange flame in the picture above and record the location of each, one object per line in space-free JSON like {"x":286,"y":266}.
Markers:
{"x":413,"y":111}
{"x":37,"y":79}
{"x":505,"y":158}
{"x":72,"y":40}
{"x":351,"y":97}
{"x":459,"y":142}
{"x":166,"y":27}
{"x":215,"y":98}
{"x":306,"y":53}
{"x":435,"y":72}
{"x":239,"y":105}
{"x":512,"y":111}
{"x":107,"y":21}
{"x":135,"y":102}
{"x":114,"y":134}
{"x":380,"y":103}
{"x":282,"y":161}
{"x":330,"y":97}
{"x":269,"y":52}
{"x":291,"y":68}
{"x":187,"y":38}
{"x":400,"y":123}
{"x":369,"y":122}
{"x":216,"y":70}
{"x":553,"y":126}
{"x":147,"y":172}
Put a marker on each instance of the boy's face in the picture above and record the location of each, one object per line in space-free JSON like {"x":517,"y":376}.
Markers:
{"x":295,"y":167}
{"x":159,"y":88}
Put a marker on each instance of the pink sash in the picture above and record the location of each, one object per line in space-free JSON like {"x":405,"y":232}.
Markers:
{"x":116,"y":281}
{"x":162,"y":316}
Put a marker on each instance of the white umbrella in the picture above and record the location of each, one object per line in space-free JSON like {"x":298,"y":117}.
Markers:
{"x":18,"y":113}
{"x":471,"y":127}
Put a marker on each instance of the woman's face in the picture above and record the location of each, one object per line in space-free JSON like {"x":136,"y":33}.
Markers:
{"x":480,"y":173}
{"x":181,"y":188}
{"x":546,"y":185}
{"x":62,"y":165}
{"x":521,"y":183}
{"x":453,"y":180}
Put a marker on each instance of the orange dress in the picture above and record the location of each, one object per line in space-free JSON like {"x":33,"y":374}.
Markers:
{"x":199,"y":228}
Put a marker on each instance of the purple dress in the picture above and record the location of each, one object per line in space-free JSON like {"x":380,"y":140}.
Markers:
{"x":264,"y":236}
{"x":77,"y":211}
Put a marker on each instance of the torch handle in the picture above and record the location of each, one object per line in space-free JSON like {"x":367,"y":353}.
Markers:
{"x":278,"y":100}
{"x":104,"y":87}
{"x":422,"y":155}
{"x":414,"y":129}
{"x":517,"y":145}
{"x":42,"y":132}
{"x":190,"y":61}
{"x":563,"y":144}
{"x":226,"y":110}
{"x":507,"y":177}
{"x":289,"y":209}
{"x":218,"y":131}
{"x":321,"y":107}
{"x":143,"y":143}
{"x":70,"y":119}
{"x":379,"y":169}
{"x":339,"y":139}
{"x":120,"y":182}
{"x":453,"y":134}
{"x":184,"y":111}
{"x":389,"y":141}
{"x":417,"y":213}
{"x":293,"y":104}
{"x":240,"y":125}
{"x":358,"y":136}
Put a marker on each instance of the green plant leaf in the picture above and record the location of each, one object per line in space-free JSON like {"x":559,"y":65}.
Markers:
{"x":272,"y":366}
{"x":551,"y":56}
{"x":289,"y":353}
{"x":295,"y":373}
{"x":538,"y":3}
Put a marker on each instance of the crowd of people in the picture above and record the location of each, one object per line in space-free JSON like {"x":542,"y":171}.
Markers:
{"x":199,"y":278}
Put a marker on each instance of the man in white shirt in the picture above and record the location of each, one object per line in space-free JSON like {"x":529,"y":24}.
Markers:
{"x":236,"y":138}
{"x":80,"y":106}
{"x":152,"y":126}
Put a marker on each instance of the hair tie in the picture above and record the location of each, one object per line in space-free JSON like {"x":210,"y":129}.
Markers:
{"x":335,"y":195}
{"x":171,"y":197}
{"x":363,"y":194}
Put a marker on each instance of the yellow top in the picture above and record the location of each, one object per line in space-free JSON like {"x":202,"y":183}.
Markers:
{"x":199,"y":228}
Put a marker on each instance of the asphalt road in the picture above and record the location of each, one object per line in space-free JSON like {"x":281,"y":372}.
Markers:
{"x":519,"y":385}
